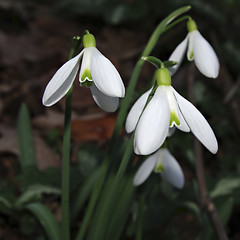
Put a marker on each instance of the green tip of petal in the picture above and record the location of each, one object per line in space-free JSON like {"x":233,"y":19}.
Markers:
{"x":174,"y":119}
{"x":86,"y":78}
{"x":191,"y":25}
{"x":191,"y":56}
{"x":159,"y":168}
{"x":163,"y":77}
{"x":89,"y":40}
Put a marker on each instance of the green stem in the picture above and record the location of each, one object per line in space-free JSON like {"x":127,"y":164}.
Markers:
{"x":140,"y":217}
{"x":160,"y":29}
{"x":66,"y":152}
{"x":94,"y":197}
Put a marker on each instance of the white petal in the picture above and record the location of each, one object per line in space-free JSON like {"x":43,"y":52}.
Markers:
{"x":135,"y":112}
{"x":145,"y":169}
{"x":105,"y":75}
{"x":190,"y":52}
{"x":183,"y":125}
{"x":197,"y":123}
{"x":172,"y":170}
{"x":106,"y":103}
{"x":205,"y":57}
{"x":153,"y":125}
{"x":61,"y":81}
{"x":177,"y":56}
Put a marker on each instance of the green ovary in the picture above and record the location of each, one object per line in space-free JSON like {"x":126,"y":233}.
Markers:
{"x":174,"y":119}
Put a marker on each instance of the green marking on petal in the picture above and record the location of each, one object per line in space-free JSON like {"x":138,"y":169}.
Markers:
{"x":174,"y":119}
{"x":159,"y":168}
{"x":86,"y":76}
{"x":191,"y":56}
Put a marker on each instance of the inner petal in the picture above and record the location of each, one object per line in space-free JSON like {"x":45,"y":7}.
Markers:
{"x":174,"y":111}
{"x":85,"y":77}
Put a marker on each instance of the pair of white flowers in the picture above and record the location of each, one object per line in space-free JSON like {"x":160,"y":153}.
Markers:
{"x":96,"y":72}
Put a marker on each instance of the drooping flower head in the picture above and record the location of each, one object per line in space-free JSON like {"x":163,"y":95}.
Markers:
{"x":198,"y":50}
{"x":166,"y":109}
{"x":163,"y":163}
{"x":96,"y":72}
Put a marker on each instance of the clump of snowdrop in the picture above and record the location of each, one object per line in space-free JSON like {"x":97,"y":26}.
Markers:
{"x":199,"y":50}
{"x":96,"y":72}
{"x":163,"y":163}
{"x":166,"y":109}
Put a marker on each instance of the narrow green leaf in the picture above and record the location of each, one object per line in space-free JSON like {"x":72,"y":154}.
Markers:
{"x":225,"y":187}
{"x":25,"y":139}
{"x":83,"y":193}
{"x":46,"y":219}
{"x":121,"y":210}
{"x":5,"y":205}
{"x":34,"y":193}
{"x":225,"y":210}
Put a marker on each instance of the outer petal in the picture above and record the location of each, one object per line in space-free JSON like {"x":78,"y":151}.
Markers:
{"x":197,"y":123}
{"x":153,"y":125}
{"x":106,"y":103}
{"x":172,"y":170}
{"x":61,"y":81}
{"x":205,"y":57}
{"x":105,"y":75}
{"x":145,"y":169}
{"x":135,"y":112}
{"x":178,"y":55}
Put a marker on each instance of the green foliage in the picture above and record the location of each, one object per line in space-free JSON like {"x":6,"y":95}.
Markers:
{"x":25,"y":140}
{"x":47,"y":220}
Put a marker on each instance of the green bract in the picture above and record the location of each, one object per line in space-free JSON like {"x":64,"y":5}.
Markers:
{"x":163,"y":77}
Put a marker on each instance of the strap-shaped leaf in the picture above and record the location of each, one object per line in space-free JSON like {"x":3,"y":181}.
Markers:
{"x":25,"y":139}
{"x":34,"y":193}
{"x":83,"y":193}
{"x":46,"y":219}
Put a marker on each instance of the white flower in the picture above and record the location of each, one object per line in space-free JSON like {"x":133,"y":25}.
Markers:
{"x":166,"y":109}
{"x":96,"y":71}
{"x":199,"y":50}
{"x":165,"y":164}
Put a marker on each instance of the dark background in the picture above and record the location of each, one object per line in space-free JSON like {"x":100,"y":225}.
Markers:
{"x":34,"y":42}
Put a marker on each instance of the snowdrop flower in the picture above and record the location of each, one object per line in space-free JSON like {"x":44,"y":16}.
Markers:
{"x":96,"y":72}
{"x":199,"y":50}
{"x":167,"y":108}
{"x":165,"y":164}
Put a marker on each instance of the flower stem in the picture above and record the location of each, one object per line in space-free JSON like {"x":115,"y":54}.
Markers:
{"x":162,"y":27}
{"x":66,"y":152}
